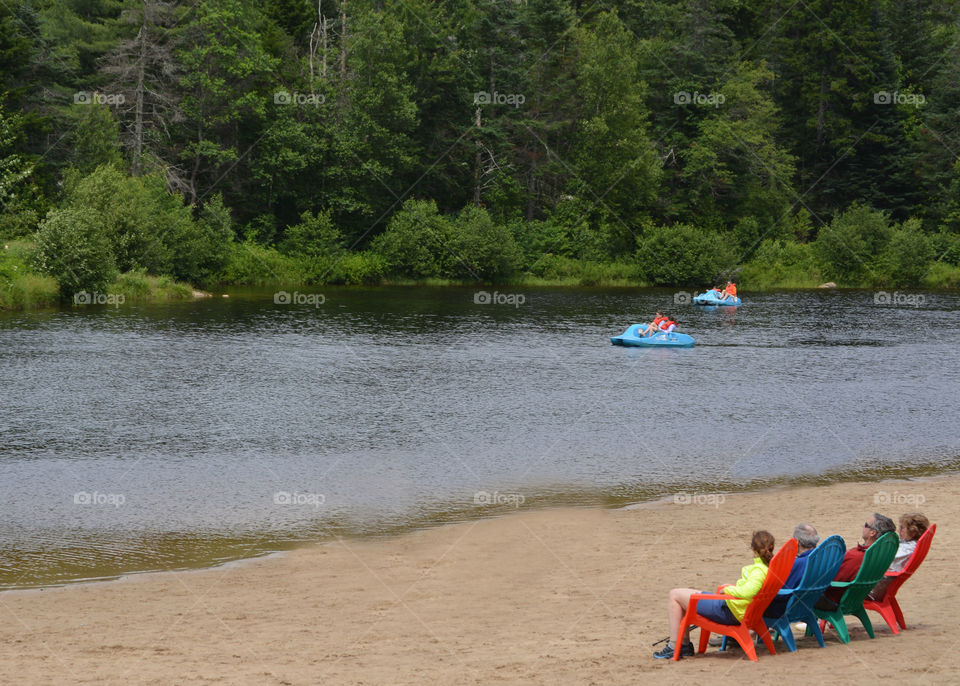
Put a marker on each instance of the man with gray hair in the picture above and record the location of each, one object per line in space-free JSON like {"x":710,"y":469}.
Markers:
{"x":807,"y":539}
{"x":875,"y":527}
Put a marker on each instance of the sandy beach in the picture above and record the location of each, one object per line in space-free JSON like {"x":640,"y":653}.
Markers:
{"x":562,"y":596}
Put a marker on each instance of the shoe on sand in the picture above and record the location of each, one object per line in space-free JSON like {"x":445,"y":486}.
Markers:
{"x":667,"y":653}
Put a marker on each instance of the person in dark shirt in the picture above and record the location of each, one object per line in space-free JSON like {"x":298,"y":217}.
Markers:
{"x":807,"y":539}
{"x":875,"y":527}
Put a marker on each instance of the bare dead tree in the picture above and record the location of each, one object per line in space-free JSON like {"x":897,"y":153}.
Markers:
{"x":144,"y":70}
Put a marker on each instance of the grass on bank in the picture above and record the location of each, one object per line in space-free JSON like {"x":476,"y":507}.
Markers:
{"x":22,"y":288}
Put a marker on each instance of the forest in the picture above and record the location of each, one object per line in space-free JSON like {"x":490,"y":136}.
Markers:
{"x":150,"y":144}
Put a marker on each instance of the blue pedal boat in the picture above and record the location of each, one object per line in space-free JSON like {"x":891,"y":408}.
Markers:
{"x":710,"y":298}
{"x":632,"y":337}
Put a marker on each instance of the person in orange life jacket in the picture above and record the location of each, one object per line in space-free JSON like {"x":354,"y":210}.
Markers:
{"x":720,"y":611}
{"x":653,"y":326}
{"x":729,"y":292}
{"x":668,"y":324}
{"x":873,"y":528}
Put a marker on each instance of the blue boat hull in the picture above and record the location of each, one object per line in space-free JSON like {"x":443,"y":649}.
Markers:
{"x":710,"y":299}
{"x":632,"y":337}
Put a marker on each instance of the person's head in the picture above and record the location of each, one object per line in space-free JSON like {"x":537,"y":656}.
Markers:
{"x":731,"y":283}
{"x":807,"y":537}
{"x":912,"y":526}
{"x":762,"y":544}
{"x":875,"y":527}
{"x":659,"y":313}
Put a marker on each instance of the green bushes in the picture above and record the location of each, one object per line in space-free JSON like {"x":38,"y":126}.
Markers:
{"x":73,"y":249}
{"x":850,"y":246}
{"x":252,"y":264}
{"x":683,"y":255}
{"x":130,"y":223}
{"x":21,"y":288}
{"x":420,"y":243}
{"x":782,"y":264}
{"x":908,"y":255}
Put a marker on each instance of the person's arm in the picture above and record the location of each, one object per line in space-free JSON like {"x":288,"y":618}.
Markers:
{"x":750,"y":585}
{"x":850,"y":566}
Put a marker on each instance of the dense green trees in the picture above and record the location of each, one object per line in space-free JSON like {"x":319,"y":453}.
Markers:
{"x":243,"y":141}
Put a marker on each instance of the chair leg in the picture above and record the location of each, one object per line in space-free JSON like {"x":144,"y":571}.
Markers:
{"x":764,"y":633}
{"x":861,"y":614}
{"x":840,"y":624}
{"x":813,"y":628}
{"x":704,"y":640}
{"x":898,"y":613}
{"x":747,"y":644}
{"x":784,"y":630}
{"x":886,"y":611}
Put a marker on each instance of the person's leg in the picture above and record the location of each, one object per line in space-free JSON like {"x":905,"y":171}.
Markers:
{"x":677,"y":602}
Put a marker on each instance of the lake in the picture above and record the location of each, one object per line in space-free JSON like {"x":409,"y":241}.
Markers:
{"x":139,"y":437}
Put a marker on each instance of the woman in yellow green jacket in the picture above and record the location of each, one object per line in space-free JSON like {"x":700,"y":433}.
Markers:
{"x":720,"y":611}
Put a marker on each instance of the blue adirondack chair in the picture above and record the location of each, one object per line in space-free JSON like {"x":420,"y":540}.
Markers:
{"x":822,"y":565}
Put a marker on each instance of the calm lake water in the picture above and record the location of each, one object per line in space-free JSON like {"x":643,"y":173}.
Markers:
{"x":145,"y":437}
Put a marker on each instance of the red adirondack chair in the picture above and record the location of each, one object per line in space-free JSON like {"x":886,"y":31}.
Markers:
{"x":889,"y":608}
{"x":777,"y":573}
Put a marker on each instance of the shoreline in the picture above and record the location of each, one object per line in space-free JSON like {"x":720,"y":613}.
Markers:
{"x":568,"y":595}
{"x":569,"y":501}
{"x":584,"y":500}
{"x":185,"y":293}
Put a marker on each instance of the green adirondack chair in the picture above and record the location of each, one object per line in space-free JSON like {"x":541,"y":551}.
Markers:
{"x":876,"y":561}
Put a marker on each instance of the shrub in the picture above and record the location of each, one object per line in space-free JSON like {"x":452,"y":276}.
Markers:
{"x":360,"y":268}
{"x":480,"y":249}
{"x":200,"y":247}
{"x":849,"y":247}
{"x":314,"y":236}
{"x":417,"y":242}
{"x":784,"y":263}
{"x":72,"y":248}
{"x":908,"y":255}
{"x":137,"y":230}
{"x":252,"y":264}
{"x":682,"y":255}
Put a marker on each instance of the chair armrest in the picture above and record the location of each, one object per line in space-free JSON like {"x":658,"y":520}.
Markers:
{"x":786,"y":591}
{"x":707,"y":596}
{"x":840,"y":584}
{"x":723,"y":586}
{"x":894,"y":574}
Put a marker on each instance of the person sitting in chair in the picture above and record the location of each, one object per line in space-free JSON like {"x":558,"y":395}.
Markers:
{"x":873,"y":528}
{"x":911,"y":528}
{"x":807,"y":539}
{"x":721,"y":611}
